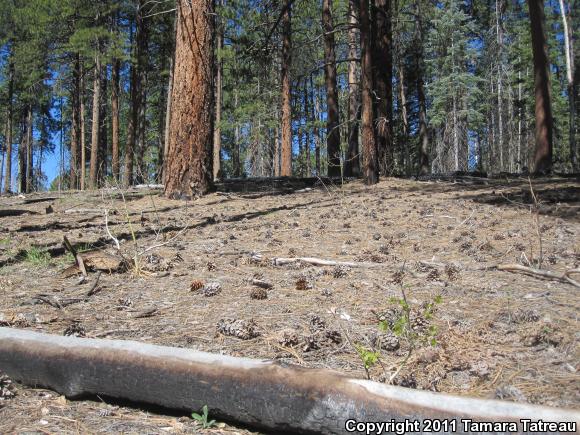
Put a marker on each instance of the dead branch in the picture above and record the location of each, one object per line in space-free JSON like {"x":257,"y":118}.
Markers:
{"x":252,"y":392}
{"x":565,"y":277}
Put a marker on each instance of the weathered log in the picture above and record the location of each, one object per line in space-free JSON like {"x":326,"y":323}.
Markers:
{"x":257,"y":393}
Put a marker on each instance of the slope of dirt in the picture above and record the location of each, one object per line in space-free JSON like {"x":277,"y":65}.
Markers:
{"x":493,"y":334}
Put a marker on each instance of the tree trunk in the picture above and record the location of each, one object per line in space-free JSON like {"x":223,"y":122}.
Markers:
{"x":217,"y":133}
{"x":29,"y":150}
{"x":83,"y":130}
{"x":168,"y":109}
{"x":307,"y":112}
{"x":351,"y":162}
{"x":332,"y":117}
{"x":75,"y":124}
{"x":423,"y":152}
{"x":9,"y":122}
{"x":383,"y":67}
{"x":103,"y":133}
{"x":237,"y":145}
{"x":404,"y":118}
{"x":115,"y":90}
{"x":370,"y":155}
{"x":142,"y":41}
{"x":189,"y":161}
{"x":96,"y":127}
{"x":316,"y":131}
{"x":286,"y":122}
{"x":571,"y":88}
{"x":544,"y":122}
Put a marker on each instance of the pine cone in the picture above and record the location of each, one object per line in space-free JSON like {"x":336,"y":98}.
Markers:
{"x":196,"y":285}
{"x":317,"y":323}
{"x":242,"y":329}
{"x":259,"y":293}
{"x":7,"y":390}
{"x":211,"y":289}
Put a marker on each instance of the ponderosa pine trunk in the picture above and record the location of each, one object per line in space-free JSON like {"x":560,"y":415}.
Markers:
{"x":544,"y":123}
{"x":115,"y":91}
{"x":351,"y":162}
{"x":189,"y":161}
{"x":29,"y":150}
{"x":370,"y":156}
{"x":75,"y":124}
{"x":286,"y":113}
{"x":383,"y":68}
{"x":96,"y":127}
{"x":83,"y":130}
{"x":217,"y":134}
{"x":332,"y":114}
{"x":9,"y":122}
{"x":423,"y":160}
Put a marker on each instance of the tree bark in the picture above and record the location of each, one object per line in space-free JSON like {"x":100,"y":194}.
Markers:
{"x":29,"y":150}
{"x":332,"y":116}
{"x":404,"y":118}
{"x":277,"y":398}
{"x":75,"y":124}
{"x":96,"y":127}
{"x":217,"y":134}
{"x":286,"y":122}
{"x":351,"y":162}
{"x":9,"y":122}
{"x":83,"y":129}
{"x":115,"y":90}
{"x":307,"y":119}
{"x":168,"y":107}
{"x":544,"y":122}
{"x":569,"y":55}
{"x":423,"y":151}
{"x":189,"y":162}
{"x":383,"y":68}
{"x":370,"y":155}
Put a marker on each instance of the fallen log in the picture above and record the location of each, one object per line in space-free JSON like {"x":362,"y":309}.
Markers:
{"x":252,"y":392}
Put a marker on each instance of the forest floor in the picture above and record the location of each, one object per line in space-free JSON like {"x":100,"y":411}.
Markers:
{"x":497,"y":334}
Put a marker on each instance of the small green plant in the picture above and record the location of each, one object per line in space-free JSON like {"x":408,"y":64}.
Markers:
{"x":368,"y":357}
{"x":37,"y":257}
{"x":203,"y":418}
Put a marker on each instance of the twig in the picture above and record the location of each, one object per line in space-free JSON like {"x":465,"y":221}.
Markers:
{"x":78,"y":259}
{"x":93,"y":288}
{"x":109,"y":232}
{"x":565,"y":277}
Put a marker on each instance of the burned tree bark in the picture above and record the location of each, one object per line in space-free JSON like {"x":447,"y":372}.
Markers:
{"x":383,"y":68}
{"x":332,"y":117}
{"x":252,"y":392}
{"x":286,"y":121}
{"x":544,"y":122}
{"x":423,"y":162}
{"x":189,"y":159}
{"x":370,"y":156}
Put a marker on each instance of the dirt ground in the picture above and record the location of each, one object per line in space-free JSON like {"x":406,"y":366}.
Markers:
{"x":494,"y":334}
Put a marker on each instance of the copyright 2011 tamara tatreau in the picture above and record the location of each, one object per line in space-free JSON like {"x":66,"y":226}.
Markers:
{"x":456,"y":425}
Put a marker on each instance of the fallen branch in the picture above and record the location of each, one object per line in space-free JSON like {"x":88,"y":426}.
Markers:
{"x":565,"y":277}
{"x":78,"y":259}
{"x":94,"y":288}
{"x":251,"y":392}
{"x":280,"y":261}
